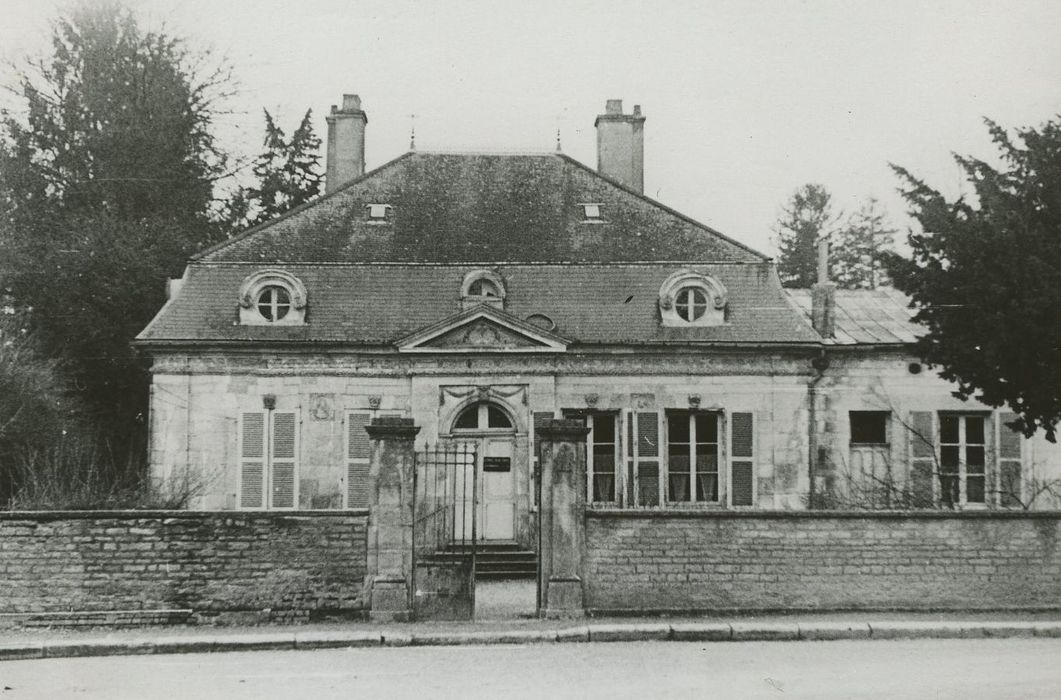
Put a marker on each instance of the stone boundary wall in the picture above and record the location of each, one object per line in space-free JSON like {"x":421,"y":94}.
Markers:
{"x":222,"y":566}
{"x":699,"y":561}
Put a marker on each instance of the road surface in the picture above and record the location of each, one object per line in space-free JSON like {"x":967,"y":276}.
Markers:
{"x":966,"y":669}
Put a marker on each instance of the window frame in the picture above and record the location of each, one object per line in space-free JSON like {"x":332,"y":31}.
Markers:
{"x":694,"y":443}
{"x":963,"y":447}
{"x":592,"y":418}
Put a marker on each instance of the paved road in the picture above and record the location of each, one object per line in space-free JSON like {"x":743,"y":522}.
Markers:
{"x":966,"y":669}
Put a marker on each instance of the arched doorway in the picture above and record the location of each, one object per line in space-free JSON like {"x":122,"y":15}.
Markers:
{"x":494,"y":431}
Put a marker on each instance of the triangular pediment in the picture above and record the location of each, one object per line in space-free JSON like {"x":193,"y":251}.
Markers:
{"x":483,"y":329}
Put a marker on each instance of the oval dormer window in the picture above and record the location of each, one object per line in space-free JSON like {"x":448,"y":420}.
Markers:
{"x":273,"y":303}
{"x":692,"y":298}
{"x":272,"y":297}
{"x":690,"y":303}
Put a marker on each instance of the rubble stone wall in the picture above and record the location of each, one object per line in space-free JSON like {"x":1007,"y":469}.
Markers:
{"x":777,"y":561}
{"x":225,"y":567}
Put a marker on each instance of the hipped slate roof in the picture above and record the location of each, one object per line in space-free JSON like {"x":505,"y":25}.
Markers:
{"x":471,"y":207}
{"x":867,"y":316}
{"x":377,"y":304}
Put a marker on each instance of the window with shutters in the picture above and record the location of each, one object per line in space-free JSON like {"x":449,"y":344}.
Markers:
{"x":692,"y":457}
{"x":1010,"y":476}
{"x":742,"y":459}
{"x":643,"y":458}
{"x":962,"y":459}
{"x":869,"y":451}
{"x":357,"y":484}
{"x":602,"y":453}
{"x":268,"y":476}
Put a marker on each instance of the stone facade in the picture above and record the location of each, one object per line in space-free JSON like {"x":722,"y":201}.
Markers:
{"x":224,"y":567}
{"x":698,"y":561}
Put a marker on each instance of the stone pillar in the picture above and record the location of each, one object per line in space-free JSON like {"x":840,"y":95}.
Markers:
{"x":563,"y":500}
{"x":390,"y":534}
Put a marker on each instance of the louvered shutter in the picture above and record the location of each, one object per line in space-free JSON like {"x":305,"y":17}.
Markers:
{"x":742,"y":463}
{"x":284,"y":458}
{"x":1009,"y":463}
{"x":646,"y":458}
{"x":922,"y":438}
{"x":357,"y":456}
{"x":252,"y":460}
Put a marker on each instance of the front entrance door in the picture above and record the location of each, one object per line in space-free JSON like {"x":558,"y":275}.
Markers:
{"x":497,"y":501}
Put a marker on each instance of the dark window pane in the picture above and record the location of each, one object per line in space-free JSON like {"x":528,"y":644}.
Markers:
{"x":604,"y":429}
{"x":949,"y":489}
{"x":948,"y":457}
{"x":707,"y":487}
{"x":603,"y":462}
{"x":679,"y":463}
{"x":603,"y":487}
{"x":974,"y":489}
{"x":974,"y":459}
{"x":706,"y":427}
{"x":706,"y":462}
{"x":678,"y":427}
{"x":679,"y":487}
{"x":496,"y":418}
{"x":869,"y":427}
{"x":974,"y":430}
{"x":948,"y":428}
{"x":468,"y":419}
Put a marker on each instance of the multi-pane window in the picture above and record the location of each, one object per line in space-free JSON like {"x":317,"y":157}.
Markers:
{"x":690,"y":303}
{"x":482,"y":416}
{"x":483,"y":288}
{"x":274,"y":302}
{"x":603,"y":447}
{"x":962,"y":459}
{"x":692,"y":457}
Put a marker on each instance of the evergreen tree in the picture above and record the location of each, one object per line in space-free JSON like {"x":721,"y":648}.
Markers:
{"x":985,"y":275}
{"x":106,"y":178}
{"x":288,"y":172}
{"x":858,"y":248}
{"x":807,"y":217}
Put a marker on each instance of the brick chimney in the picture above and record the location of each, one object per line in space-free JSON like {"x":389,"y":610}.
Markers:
{"x":823,"y":295}
{"x":346,"y":143}
{"x":621,"y":145}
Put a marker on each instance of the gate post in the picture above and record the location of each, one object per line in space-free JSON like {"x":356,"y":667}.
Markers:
{"x":390,"y":538}
{"x":563,"y":499}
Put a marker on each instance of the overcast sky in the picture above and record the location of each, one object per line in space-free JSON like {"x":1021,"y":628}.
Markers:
{"x":745,"y":100}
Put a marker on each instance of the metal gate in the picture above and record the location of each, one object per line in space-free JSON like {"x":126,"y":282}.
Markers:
{"x":445,"y":506}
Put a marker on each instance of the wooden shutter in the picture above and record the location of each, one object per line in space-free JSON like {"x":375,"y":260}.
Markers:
{"x":646,"y":458}
{"x":1010,"y":443}
{"x":284,"y":457}
{"x":922,"y":440}
{"x":252,"y":460}
{"x":358,"y":448}
{"x":741,"y":459}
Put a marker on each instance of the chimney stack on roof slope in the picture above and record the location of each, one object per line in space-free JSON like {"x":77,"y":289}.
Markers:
{"x":346,"y":143}
{"x":621,"y":145}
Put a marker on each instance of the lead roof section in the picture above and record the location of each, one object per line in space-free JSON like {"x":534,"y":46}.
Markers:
{"x":377,"y":304}
{"x":867,"y":316}
{"x":461,"y":207}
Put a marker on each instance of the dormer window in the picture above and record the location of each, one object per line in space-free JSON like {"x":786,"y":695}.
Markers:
{"x":591,"y":212}
{"x":274,"y":302}
{"x":690,"y":303}
{"x":482,"y":287}
{"x":272,"y":298}
{"x":378,"y":212}
{"x":692,"y":299}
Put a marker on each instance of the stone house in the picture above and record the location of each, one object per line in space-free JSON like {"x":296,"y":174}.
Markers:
{"x":483,"y":294}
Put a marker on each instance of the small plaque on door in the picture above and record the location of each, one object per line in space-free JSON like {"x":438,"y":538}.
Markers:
{"x":497,"y":464}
